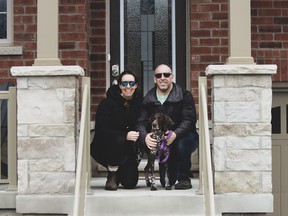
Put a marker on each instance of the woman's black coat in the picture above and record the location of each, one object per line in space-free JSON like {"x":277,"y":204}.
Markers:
{"x":115,"y":117}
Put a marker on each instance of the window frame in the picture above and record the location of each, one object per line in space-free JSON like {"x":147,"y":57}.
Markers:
{"x":9,"y":40}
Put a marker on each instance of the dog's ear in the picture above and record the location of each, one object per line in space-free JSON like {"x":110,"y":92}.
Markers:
{"x":168,"y":122}
{"x":152,"y":117}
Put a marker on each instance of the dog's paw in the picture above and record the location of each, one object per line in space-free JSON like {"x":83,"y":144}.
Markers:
{"x":168,"y":187}
{"x":148,"y":183}
{"x":153,"y":188}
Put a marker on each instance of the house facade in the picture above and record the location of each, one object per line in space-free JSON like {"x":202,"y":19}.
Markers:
{"x":104,"y":37}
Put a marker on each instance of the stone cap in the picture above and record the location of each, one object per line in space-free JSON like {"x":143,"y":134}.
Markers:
{"x":27,"y":71}
{"x":234,"y":69}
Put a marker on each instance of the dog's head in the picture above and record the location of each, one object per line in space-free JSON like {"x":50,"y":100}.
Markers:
{"x":162,"y":122}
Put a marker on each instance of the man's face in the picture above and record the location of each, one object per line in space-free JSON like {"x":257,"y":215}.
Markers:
{"x":163,"y":77}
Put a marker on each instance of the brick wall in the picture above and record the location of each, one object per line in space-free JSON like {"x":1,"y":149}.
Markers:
{"x":208,"y":38}
{"x":73,"y":32}
{"x":24,"y":35}
{"x":97,"y":52}
{"x":270,"y":35}
{"x":73,"y":38}
{"x":209,"y":35}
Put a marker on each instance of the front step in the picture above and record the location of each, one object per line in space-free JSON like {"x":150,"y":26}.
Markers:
{"x":142,"y":201}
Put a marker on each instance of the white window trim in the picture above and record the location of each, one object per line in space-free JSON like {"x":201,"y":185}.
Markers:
{"x":9,"y":40}
{"x":6,"y":45}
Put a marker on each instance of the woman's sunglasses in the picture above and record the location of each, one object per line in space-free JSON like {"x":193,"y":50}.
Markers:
{"x":159,"y":75}
{"x":125,"y":83}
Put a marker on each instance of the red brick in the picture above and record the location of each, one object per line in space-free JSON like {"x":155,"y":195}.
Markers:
{"x":269,"y":12}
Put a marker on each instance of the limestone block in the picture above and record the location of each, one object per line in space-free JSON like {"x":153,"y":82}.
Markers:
{"x":219,"y":153}
{"x":241,"y":81}
{"x":40,"y":148}
{"x":266,"y":142}
{"x":22,"y":130}
{"x":69,"y":112}
{"x":39,"y":107}
{"x":248,"y":142}
{"x":51,"y":182}
{"x":241,"y":69}
{"x":244,"y":182}
{"x":258,"y":129}
{"x":23,"y":178}
{"x":242,"y":112}
{"x":57,"y":82}
{"x":53,"y":130}
{"x":248,"y":160}
{"x":46,"y":165}
{"x":218,"y":81}
{"x":220,"y":109}
{"x":236,"y":94}
{"x":267,"y":182}
{"x":266,"y":105}
{"x":223,"y":129}
{"x":22,"y":83}
{"x":69,"y":95}
{"x":70,"y":154}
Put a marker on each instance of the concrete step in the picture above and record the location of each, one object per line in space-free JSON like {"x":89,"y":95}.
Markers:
{"x":142,"y":201}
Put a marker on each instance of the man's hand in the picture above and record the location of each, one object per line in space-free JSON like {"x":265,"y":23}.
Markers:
{"x":150,"y":142}
{"x":132,"y":136}
{"x":171,"y":138}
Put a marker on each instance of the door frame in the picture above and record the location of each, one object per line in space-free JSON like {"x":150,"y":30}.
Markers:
{"x":185,"y":67}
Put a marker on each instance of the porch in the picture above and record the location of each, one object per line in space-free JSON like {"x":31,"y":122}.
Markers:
{"x":140,"y":201}
{"x":49,"y":188}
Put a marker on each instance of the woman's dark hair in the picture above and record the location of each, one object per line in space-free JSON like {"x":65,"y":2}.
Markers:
{"x":125,"y":72}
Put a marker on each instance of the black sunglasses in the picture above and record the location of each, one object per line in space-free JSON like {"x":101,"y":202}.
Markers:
{"x":159,"y":75}
{"x":125,"y":83}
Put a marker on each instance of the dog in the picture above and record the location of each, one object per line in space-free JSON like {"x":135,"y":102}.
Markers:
{"x":160,"y":124}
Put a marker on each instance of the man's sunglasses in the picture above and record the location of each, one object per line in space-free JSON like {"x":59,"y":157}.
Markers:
{"x":159,"y":75}
{"x":125,"y":83}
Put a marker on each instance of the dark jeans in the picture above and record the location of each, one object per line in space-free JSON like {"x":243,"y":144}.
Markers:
{"x":179,"y":162}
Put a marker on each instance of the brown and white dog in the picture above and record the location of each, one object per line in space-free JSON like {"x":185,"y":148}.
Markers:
{"x":160,"y":126}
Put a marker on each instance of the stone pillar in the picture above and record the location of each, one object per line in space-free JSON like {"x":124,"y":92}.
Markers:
{"x":241,"y":118}
{"x":47,"y":115}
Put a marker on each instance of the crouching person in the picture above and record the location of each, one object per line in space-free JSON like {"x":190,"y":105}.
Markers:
{"x":115,"y":137}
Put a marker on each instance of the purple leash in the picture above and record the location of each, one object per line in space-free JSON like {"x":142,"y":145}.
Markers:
{"x":163,"y":148}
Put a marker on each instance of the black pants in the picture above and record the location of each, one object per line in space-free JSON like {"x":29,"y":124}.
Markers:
{"x":124,"y":158}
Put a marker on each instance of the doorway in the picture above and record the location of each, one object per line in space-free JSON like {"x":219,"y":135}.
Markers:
{"x":280,"y":153}
{"x":146,"y":33}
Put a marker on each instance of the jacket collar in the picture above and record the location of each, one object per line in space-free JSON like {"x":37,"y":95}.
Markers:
{"x":175,"y":95}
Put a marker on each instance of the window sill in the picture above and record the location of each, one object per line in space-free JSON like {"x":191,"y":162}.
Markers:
{"x":11,"y":50}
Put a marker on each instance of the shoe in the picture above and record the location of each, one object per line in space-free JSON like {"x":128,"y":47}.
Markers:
{"x":111,"y":183}
{"x":183,"y":184}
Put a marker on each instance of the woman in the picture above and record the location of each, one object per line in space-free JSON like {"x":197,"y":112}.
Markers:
{"x":115,"y":136}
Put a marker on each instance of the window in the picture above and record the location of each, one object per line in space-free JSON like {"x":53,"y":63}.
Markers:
{"x":5,"y":22}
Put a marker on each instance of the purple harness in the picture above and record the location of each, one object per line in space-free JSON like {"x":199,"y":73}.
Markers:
{"x":163,"y":149}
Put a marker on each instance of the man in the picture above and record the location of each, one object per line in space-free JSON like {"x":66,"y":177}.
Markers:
{"x":169,"y":98}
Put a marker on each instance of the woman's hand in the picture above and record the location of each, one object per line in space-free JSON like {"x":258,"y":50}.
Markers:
{"x":132,"y":136}
{"x":150,"y":142}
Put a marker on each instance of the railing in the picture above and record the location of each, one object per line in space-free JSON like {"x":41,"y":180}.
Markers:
{"x":82,"y":184}
{"x":205,"y":170}
{"x":11,"y":153}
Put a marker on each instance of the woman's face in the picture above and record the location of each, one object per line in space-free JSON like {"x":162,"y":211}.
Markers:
{"x":128,"y":86}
